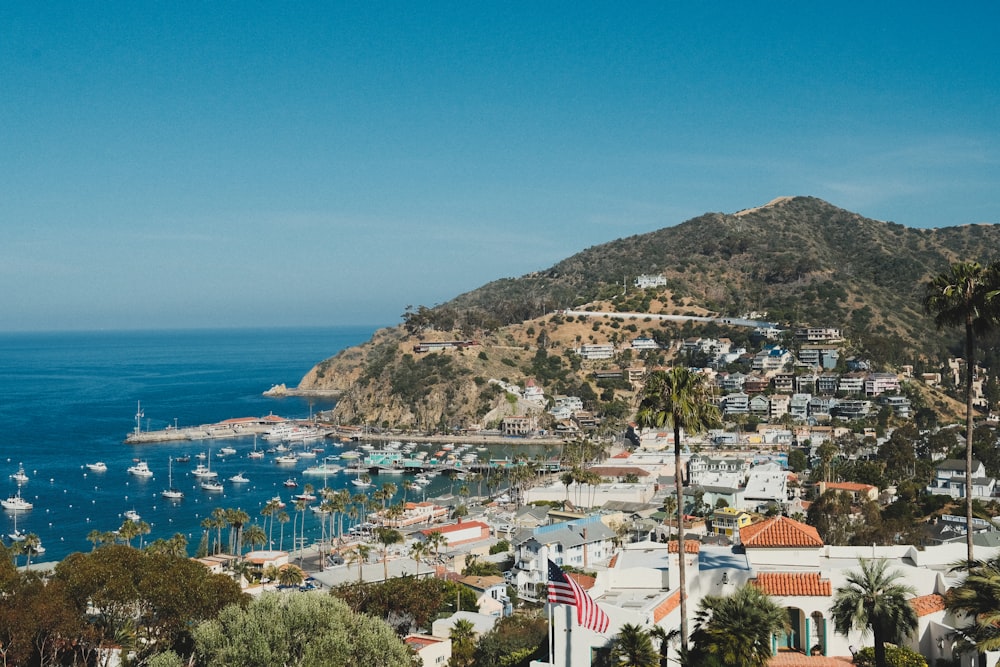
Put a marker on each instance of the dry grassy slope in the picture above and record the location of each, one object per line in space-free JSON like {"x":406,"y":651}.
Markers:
{"x":459,"y":400}
{"x":801,"y":260}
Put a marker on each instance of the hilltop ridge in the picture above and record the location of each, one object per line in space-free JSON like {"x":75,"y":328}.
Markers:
{"x":796,"y":261}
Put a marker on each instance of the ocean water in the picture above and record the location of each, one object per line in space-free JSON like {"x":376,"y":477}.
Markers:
{"x":67,"y":399}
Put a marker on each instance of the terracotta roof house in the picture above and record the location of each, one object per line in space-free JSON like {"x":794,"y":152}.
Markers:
{"x":781,"y":541}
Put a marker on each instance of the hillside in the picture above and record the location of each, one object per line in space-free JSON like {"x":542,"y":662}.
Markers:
{"x":796,"y":261}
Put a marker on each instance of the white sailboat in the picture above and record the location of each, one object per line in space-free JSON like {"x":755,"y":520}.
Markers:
{"x":170,"y":492}
{"x":209,"y":482}
{"x":205,"y":471}
{"x":360,"y":483}
{"x":255,"y":454}
{"x":16,"y":536}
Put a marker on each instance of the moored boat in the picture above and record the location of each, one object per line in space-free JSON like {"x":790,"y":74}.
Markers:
{"x":140,"y":469}
{"x":239,"y":478}
{"x":20,"y":476}
{"x":170,"y":493}
{"x":98,"y":466}
{"x":210,"y":485}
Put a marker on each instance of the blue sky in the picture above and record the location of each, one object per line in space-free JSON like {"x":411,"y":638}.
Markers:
{"x":267,"y":164}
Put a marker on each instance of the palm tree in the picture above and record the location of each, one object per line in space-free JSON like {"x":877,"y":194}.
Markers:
{"x":736,"y":629}
{"x":387,"y":537}
{"x":300,"y":508}
{"x":978,"y":599}
{"x":290,"y":575}
{"x":436,"y":540}
{"x":270,"y":509}
{"x":95,"y":537}
{"x":236,"y":518}
{"x":873,"y":600}
{"x":142,"y":528}
{"x":360,"y":555}
{"x":419,"y":551}
{"x":664,"y":637}
{"x":30,"y":544}
{"x":254,"y":535}
{"x":283,"y":518}
{"x":680,"y":399}
{"x":965,"y":296}
{"x":388,"y":491}
{"x":127,"y":531}
{"x":633,"y":646}
{"x":463,"y":642}
{"x":271,"y":572}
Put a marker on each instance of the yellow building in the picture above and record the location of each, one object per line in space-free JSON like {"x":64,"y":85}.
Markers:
{"x":728,"y":521}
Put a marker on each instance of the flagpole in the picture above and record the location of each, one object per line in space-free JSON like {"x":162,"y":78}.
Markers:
{"x":543,"y":557}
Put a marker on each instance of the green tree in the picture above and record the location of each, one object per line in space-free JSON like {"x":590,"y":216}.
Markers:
{"x":387,"y":537}
{"x":150,"y":601}
{"x":679,"y":399}
{"x":874,"y":601}
{"x":633,"y":646}
{"x":290,"y":575}
{"x":736,"y":629}
{"x":964,"y":296}
{"x":463,"y":644}
{"x":298,"y":631}
{"x":895,"y":656}
{"x":255,"y":536}
{"x":977,"y":599}
{"x":514,"y":640}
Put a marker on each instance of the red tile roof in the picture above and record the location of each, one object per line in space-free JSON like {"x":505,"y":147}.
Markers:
{"x":780,"y":532}
{"x":791,"y":659}
{"x":849,"y":486}
{"x":451,"y":528}
{"x":585,"y":582}
{"x":690,"y":546}
{"x":792,"y":584}
{"x":927,"y":604}
{"x":664,"y":608}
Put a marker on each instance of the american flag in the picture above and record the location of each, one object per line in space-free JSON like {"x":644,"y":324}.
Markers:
{"x":563,"y":590}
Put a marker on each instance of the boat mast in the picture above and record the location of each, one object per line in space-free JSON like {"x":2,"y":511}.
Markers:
{"x":138,"y":417}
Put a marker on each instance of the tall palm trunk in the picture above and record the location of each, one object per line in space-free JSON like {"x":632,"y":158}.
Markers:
{"x":970,"y":349}
{"x":681,"y":571}
{"x":879,"y":639}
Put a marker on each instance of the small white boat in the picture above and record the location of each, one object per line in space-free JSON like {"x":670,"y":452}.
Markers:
{"x":289,"y":459}
{"x":140,"y":469}
{"x":20,"y":476}
{"x":227,"y":451}
{"x":201,"y":456}
{"x":170,"y":493}
{"x":279,"y":503}
{"x":16,"y":503}
{"x":290,"y":483}
{"x":360,"y":483}
{"x":204,"y":472}
{"x":239,"y":478}
{"x":132,"y":515}
{"x":308,"y":497}
{"x":209,"y":485}
{"x":99,"y":466}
